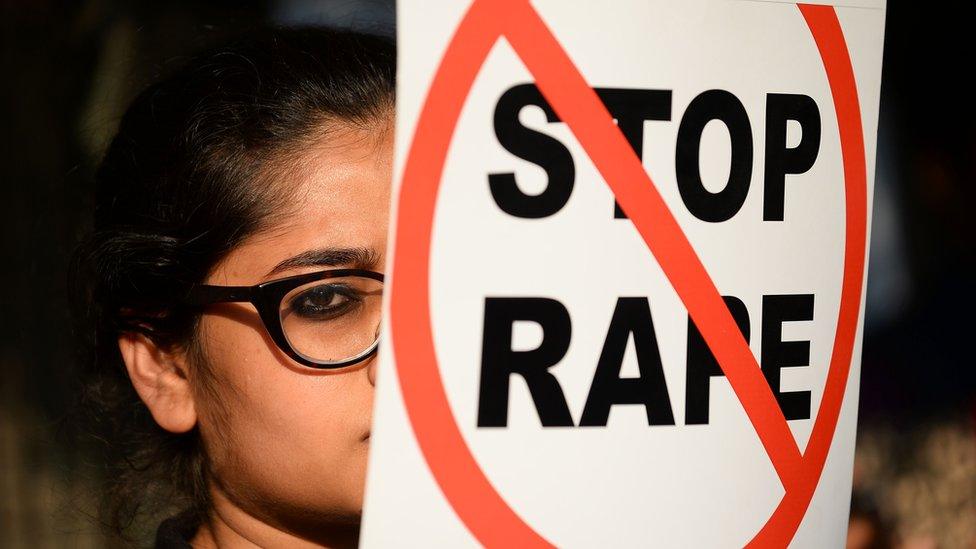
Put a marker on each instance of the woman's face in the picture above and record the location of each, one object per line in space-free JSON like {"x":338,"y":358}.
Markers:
{"x":287,"y":445}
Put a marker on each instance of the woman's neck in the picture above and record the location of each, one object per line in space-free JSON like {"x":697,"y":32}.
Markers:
{"x":230,"y":527}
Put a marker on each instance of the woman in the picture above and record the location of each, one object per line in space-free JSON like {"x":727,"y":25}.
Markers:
{"x":235,"y":279}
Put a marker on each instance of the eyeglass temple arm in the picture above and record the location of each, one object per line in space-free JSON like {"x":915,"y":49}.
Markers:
{"x":203,"y":294}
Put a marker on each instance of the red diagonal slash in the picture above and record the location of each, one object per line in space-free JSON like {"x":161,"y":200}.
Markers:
{"x":464,"y":485}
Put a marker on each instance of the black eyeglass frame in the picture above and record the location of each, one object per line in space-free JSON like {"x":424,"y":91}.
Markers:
{"x":266,"y":298}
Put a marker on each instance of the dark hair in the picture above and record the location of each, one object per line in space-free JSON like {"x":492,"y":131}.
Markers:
{"x":183,"y":182}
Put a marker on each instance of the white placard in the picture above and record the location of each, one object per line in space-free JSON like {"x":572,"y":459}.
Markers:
{"x":540,"y":379}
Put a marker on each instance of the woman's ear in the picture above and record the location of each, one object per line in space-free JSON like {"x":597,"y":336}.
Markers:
{"x":160,"y":378}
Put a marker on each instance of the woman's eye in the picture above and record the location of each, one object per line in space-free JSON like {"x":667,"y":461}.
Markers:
{"x":323,"y":302}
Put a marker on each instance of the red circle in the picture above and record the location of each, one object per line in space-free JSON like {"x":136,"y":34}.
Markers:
{"x":463,"y":483}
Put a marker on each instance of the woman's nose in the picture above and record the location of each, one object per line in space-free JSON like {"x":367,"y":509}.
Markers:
{"x":371,"y":370}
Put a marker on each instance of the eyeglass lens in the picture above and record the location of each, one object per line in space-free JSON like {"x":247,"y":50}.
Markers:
{"x":332,"y":320}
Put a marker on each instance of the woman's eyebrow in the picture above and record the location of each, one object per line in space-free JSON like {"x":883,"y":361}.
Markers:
{"x":360,"y":258}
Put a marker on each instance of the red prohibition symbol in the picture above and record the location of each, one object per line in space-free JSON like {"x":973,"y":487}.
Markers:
{"x":483,"y":511}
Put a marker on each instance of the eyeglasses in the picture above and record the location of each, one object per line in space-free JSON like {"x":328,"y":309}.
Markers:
{"x":326,"y":320}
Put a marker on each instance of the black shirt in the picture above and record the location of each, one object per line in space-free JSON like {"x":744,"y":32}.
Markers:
{"x":176,"y":532}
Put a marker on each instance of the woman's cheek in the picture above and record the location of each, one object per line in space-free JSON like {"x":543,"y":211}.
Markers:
{"x":291,"y":436}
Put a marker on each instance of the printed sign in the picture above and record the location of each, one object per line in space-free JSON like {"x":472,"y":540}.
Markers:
{"x":627,"y":273}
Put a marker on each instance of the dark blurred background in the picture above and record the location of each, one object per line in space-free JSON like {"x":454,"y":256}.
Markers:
{"x":69,"y":70}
